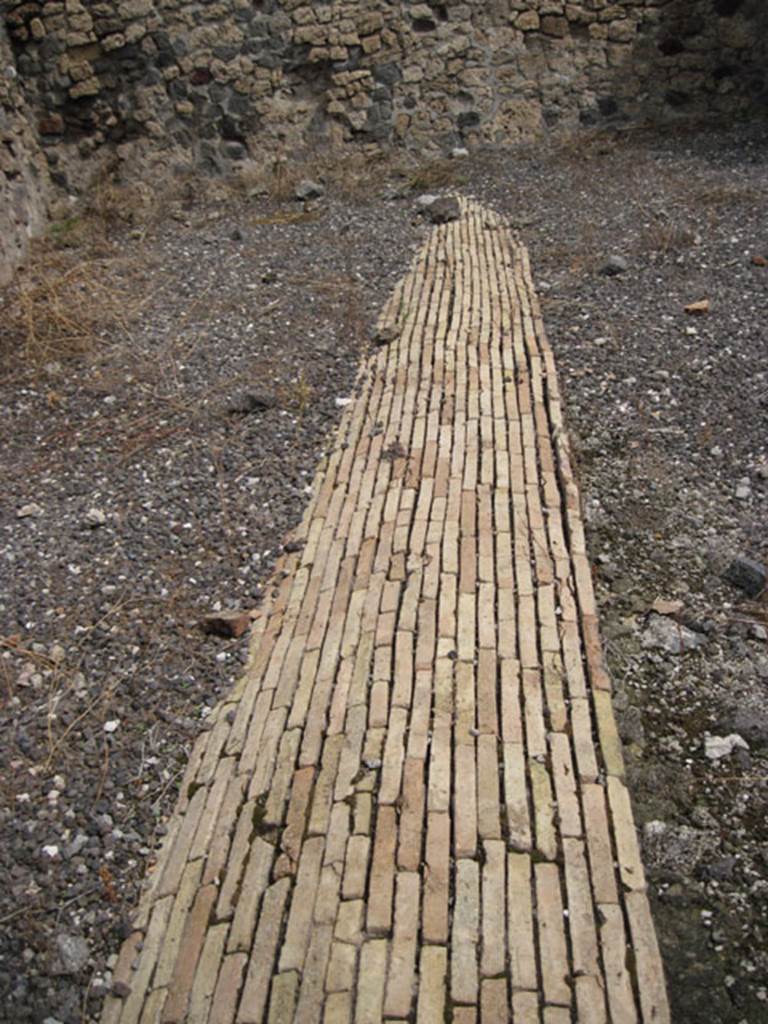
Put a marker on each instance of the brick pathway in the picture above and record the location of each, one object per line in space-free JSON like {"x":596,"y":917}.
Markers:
{"x":413,"y":805}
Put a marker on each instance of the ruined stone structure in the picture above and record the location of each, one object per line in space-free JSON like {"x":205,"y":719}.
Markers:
{"x":225,"y":80}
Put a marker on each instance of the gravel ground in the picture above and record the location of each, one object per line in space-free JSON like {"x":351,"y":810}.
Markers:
{"x":159,"y":474}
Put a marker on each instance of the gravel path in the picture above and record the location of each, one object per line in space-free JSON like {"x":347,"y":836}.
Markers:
{"x":159,"y":475}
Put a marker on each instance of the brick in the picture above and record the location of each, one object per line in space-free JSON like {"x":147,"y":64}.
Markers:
{"x":188,"y":889}
{"x":298,"y":805}
{"x":356,"y":867}
{"x":581,"y":921}
{"x":206,"y":974}
{"x":522,"y":949}
{"x":465,"y":801}
{"x":543,"y":810}
{"x":435,"y":905}
{"x":312,"y":992}
{"x":618,"y":983}
{"x":493,"y":1002}
{"x":227,"y":992}
{"x":152,"y":943}
{"x":338,"y":1009}
{"x":494,"y":947}
{"x":255,"y":881}
{"x":282,"y":1003}
{"x":190,"y":947}
{"x":650,"y":976}
{"x":430,"y":1008}
{"x":411,"y":831}
{"x":349,"y":922}
{"x":552,"y":942}
{"x":402,"y":962}
{"x":379,"y":916}
{"x":599,"y":844}
{"x":568,"y":812}
{"x":371,"y":979}
{"x":525,"y":1008}
{"x":394,"y":753}
{"x":610,"y":744}
{"x":439,"y":784}
{"x":340,"y":976}
{"x":294,"y":947}
{"x":488,"y":817}
{"x":465,"y":933}
{"x":627,"y":846}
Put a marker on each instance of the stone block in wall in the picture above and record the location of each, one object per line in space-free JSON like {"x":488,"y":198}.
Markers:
{"x":553,"y":25}
{"x":528,"y":21}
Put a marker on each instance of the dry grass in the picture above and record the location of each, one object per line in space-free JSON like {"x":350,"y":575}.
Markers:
{"x":67,"y":298}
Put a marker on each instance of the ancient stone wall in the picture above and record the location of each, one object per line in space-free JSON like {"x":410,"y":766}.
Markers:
{"x":226,"y":80}
{"x":24,"y":180}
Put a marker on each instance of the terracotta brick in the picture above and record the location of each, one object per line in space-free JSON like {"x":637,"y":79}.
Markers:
{"x":411,"y":833}
{"x":190,"y":947}
{"x":379,"y":916}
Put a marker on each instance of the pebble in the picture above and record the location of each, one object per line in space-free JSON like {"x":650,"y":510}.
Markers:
{"x":73,"y":953}
{"x":95,"y":517}
{"x":614,"y":266}
{"x":718,"y":747}
{"x":32,"y":510}
{"x":308,"y":189}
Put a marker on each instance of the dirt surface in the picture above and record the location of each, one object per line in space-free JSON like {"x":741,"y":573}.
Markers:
{"x":158,"y":475}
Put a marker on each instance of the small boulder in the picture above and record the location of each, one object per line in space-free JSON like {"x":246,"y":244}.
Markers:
{"x":229,"y":625}
{"x":614,"y":266}
{"x":718,"y":747}
{"x":667,"y":635}
{"x":308,"y":189}
{"x":747,"y":575}
{"x":443,"y":210}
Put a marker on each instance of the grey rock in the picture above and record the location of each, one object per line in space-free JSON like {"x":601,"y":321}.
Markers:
{"x":385,"y":335}
{"x":308,"y":189}
{"x":443,"y":210}
{"x":32,"y":510}
{"x":718,"y":747}
{"x":747,"y":575}
{"x":613,"y":266}
{"x":721,"y":870}
{"x":676,"y":849}
{"x":73,"y":953}
{"x":251,"y":402}
{"x":94,"y":518}
{"x":747,"y":719}
{"x":664,"y":634}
